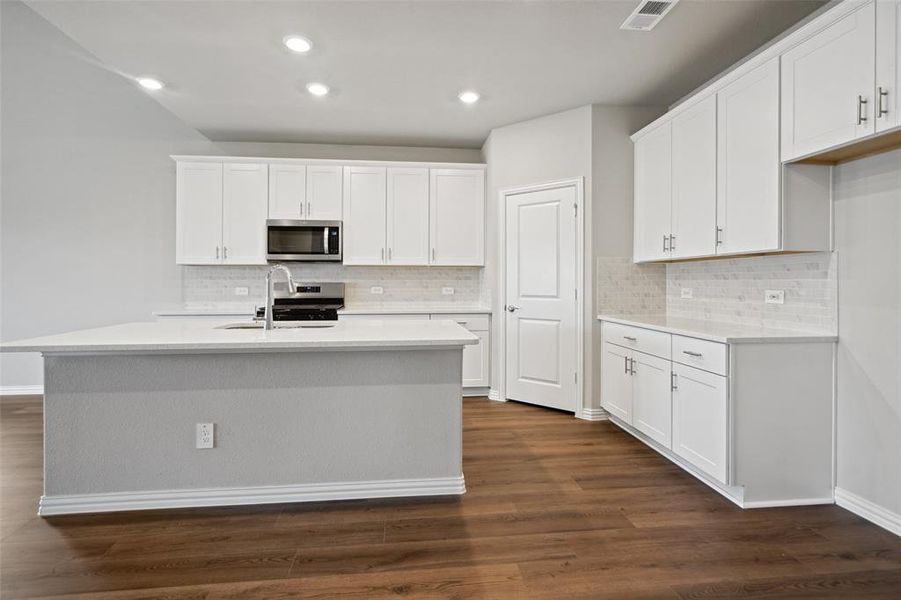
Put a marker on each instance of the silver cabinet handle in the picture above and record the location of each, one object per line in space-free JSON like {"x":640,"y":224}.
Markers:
{"x":672,"y":243}
{"x":217,"y":252}
{"x":861,"y":104}
{"x":512,"y":308}
{"x":665,"y":239}
{"x":880,"y":109}
{"x":389,"y":253}
{"x":719,"y":230}
{"x":672,"y":382}
{"x":308,"y":209}
{"x":630,"y":338}
{"x":433,"y":254}
{"x":224,"y":252}
{"x":690,"y":353}
{"x":626,"y":365}
{"x":383,"y":255}
{"x":631,"y":366}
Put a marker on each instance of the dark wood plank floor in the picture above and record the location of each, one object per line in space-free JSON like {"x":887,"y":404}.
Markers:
{"x":555,"y":508}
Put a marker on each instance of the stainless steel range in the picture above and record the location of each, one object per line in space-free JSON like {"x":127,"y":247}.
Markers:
{"x":316,"y":303}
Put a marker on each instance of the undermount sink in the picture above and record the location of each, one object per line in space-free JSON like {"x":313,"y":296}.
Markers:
{"x":282,"y":325}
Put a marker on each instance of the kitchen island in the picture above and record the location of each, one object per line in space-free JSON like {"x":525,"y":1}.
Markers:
{"x":362,"y":409}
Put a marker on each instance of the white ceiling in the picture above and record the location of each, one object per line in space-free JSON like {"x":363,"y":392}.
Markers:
{"x":395,"y":68}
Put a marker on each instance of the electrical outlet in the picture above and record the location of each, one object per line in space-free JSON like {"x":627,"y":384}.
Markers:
{"x":774,"y":296}
{"x":447,"y":291}
{"x":241,"y":291}
{"x":205,"y":435}
{"x":687,"y":293}
{"x":376,"y":289}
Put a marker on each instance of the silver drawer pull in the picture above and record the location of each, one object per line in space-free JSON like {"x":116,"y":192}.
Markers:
{"x":630,"y":338}
{"x":690,"y":353}
{"x":462,"y":322}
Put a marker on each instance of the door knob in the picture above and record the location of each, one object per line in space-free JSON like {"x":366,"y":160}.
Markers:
{"x":512,"y":308}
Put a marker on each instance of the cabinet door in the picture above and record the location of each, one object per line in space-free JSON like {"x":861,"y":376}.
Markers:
{"x":287,"y":191}
{"x":653,"y":194}
{"x":364,"y":216}
{"x":694,"y":181}
{"x":457,"y":217}
{"x":652,"y":398}
{"x":324,"y":193}
{"x":888,"y":64}
{"x":616,"y":382}
{"x":198,"y":222}
{"x":244,"y":209}
{"x":408,"y":216}
{"x":823,"y":79}
{"x":700,"y":420}
{"x":748,"y":195}
{"x":475,"y":362}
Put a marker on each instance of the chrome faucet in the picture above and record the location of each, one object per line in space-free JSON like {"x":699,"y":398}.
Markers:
{"x":269,"y":300}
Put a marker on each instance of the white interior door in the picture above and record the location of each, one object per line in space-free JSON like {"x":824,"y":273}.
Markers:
{"x":408,"y":216}
{"x":541,"y":302}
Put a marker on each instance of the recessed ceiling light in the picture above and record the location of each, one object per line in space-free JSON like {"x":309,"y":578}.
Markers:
{"x":469,"y":97}
{"x":149,"y":83}
{"x":298,"y":44}
{"x":317,"y":89}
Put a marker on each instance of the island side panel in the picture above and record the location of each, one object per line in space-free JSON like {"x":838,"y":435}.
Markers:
{"x":126,"y":423}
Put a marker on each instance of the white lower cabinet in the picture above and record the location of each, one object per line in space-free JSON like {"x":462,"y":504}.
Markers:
{"x":700,"y":419}
{"x":752,"y":418}
{"x":651,"y":403}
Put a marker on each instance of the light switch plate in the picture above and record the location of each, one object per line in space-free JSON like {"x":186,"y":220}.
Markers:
{"x":774,"y":296}
{"x":376,"y":289}
{"x":447,"y":291}
{"x":241,"y":291}
{"x":687,"y":293}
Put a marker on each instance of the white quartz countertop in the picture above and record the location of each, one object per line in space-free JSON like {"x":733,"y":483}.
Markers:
{"x":726,"y":333}
{"x":187,"y":336}
{"x":232,"y":311}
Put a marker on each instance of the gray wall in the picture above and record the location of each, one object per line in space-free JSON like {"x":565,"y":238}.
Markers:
{"x":88,"y":211}
{"x":549,"y":148}
{"x":343,"y":152}
{"x":867,"y":221}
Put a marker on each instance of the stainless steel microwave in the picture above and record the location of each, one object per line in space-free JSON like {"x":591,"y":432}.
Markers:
{"x":295,"y":240}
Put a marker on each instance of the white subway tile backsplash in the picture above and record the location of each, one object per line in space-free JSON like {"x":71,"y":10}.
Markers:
{"x":626,"y":289}
{"x":211,"y":286}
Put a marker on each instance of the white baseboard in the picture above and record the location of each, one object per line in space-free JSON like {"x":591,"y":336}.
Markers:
{"x":313,"y":492}
{"x":593,"y":414}
{"x":868,"y":510}
{"x":494,"y":395}
{"x":21,"y":390}
{"x":472,"y":392}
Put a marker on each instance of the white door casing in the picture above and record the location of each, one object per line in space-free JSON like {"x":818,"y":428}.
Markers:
{"x":540,"y":292}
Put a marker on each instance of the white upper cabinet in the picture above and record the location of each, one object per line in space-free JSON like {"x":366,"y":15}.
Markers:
{"x":828,"y":86}
{"x":653,"y":194}
{"x":888,"y":64}
{"x":287,"y":191}
{"x":198,"y":222}
{"x":457,"y":217}
{"x":365,"y":205}
{"x":693,"y":230}
{"x":408,"y":216}
{"x":748,"y":194}
{"x":323,"y":193}
{"x":244,"y":209}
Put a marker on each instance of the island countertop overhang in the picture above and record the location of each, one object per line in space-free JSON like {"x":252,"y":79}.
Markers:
{"x":208,"y":337}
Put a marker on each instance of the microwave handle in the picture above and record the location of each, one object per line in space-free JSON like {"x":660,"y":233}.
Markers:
{"x":325,"y":240}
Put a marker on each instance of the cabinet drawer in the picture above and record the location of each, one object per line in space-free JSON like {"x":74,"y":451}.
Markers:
{"x":645,"y":340}
{"x":469,"y":321}
{"x":709,"y":356}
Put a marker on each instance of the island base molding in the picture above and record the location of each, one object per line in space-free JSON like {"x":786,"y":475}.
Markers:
{"x":276,"y":494}
{"x":888,"y":520}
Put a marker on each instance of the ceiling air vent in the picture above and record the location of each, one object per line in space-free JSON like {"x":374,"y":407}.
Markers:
{"x":647,"y":14}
